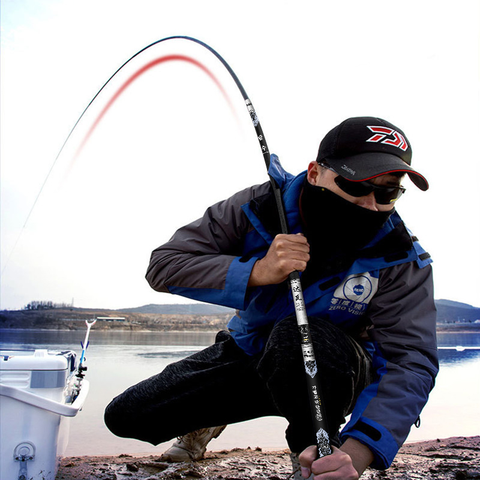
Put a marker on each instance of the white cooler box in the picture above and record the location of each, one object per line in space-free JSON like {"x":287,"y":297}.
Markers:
{"x":34,"y":410}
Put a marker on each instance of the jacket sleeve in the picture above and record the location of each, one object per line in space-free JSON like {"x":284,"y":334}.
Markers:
{"x":404,"y":359}
{"x":203,"y":260}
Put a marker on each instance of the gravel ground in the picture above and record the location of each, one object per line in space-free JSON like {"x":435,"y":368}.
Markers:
{"x":455,"y":458}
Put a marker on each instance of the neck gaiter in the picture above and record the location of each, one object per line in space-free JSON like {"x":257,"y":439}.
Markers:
{"x":336,"y":229}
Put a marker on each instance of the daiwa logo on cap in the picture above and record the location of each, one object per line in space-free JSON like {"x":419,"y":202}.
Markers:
{"x":381,"y":133}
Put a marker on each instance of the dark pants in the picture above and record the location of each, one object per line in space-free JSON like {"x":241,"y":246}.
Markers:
{"x":222,"y":385}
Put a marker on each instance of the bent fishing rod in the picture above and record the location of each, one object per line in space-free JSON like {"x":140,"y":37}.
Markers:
{"x":318,"y":413}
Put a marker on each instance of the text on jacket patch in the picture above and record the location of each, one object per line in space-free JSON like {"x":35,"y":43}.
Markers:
{"x":354,"y":293}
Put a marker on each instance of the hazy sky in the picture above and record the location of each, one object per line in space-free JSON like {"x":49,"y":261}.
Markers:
{"x":172,"y":143}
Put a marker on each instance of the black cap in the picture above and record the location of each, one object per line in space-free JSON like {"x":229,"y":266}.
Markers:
{"x":363,"y":148}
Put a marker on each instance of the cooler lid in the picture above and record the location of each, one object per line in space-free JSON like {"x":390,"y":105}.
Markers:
{"x":34,"y":360}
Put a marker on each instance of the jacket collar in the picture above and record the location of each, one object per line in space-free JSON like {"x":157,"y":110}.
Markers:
{"x":391,"y":240}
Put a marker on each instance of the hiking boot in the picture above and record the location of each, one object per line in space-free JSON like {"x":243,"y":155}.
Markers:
{"x":192,"y":446}
{"x":297,"y":473}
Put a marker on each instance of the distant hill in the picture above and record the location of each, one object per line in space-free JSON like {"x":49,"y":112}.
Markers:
{"x":451,"y":315}
{"x":181,"y":317}
{"x":449,"y":311}
{"x":180,"y":309}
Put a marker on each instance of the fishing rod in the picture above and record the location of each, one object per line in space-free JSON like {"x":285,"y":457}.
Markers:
{"x":318,"y":413}
{"x":81,"y":369}
{"x":85,"y":344}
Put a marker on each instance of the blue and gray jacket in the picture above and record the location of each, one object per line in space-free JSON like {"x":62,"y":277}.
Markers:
{"x":388,"y":288}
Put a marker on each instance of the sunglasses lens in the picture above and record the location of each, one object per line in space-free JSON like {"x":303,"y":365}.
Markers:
{"x":355,"y":189}
{"x":387,"y":195}
{"x":383,"y":195}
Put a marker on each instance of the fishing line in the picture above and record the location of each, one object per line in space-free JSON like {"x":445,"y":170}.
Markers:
{"x":137,"y":74}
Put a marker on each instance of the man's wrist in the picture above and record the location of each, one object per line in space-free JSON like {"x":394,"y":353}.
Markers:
{"x":360,"y":454}
{"x":253,"y":280}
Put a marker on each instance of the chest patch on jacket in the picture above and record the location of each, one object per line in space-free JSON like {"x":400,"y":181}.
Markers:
{"x":354,"y":293}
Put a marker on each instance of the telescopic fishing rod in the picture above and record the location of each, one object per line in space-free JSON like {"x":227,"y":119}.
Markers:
{"x":323,"y":441}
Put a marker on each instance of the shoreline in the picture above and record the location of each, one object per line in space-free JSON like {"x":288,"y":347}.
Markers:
{"x":440,"y":459}
{"x":441,"y":328}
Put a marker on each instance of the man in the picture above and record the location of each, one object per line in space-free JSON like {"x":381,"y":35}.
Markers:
{"x":368,"y":291}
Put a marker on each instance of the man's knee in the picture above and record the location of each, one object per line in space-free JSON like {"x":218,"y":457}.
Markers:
{"x":284,"y":343}
{"x":116,"y":418}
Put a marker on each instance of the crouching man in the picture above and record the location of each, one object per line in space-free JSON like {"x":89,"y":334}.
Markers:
{"x":368,"y":291}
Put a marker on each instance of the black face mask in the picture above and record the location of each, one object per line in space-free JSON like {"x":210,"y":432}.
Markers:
{"x":336,"y":229}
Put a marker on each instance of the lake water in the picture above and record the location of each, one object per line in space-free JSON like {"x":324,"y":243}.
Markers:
{"x":117,"y":360}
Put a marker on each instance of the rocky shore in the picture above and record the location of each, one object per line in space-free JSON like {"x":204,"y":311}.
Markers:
{"x":455,"y":458}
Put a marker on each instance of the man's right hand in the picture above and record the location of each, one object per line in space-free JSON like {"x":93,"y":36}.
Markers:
{"x":286,"y":254}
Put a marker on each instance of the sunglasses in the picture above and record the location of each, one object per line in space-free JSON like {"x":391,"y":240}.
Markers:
{"x":383,"y":195}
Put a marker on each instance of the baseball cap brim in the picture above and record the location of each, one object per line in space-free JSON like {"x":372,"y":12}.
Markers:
{"x":365,"y":166}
